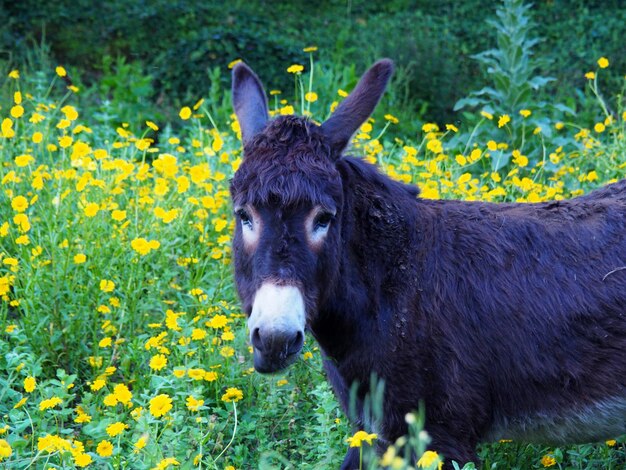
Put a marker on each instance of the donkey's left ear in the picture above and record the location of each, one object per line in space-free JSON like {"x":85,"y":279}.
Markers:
{"x":357,"y":107}
{"x":249,"y":101}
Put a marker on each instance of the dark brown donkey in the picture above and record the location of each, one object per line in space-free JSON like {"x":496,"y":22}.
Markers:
{"x":505,"y":320}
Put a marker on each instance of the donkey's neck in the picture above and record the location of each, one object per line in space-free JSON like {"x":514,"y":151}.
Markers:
{"x":375,"y":267}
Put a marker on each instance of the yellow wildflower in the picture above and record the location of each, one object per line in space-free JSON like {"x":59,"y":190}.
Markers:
{"x":359,"y":437}
{"x":160,"y":405}
{"x":232,"y":394}
{"x":295,"y":68}
{"x":105,"y":448}
{"x":430,"y":458}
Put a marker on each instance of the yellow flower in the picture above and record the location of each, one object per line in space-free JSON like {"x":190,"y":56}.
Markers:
{"x":136,"y":413}
{"x":7,"y":128}
{"x":79,"y":258}
{"x":232,"y":394}
{"x":82,"y":459}
{"x":65,"y":141}
{"x":599,"y":127}
{"x":49,"y":403}
{"x":311,"y":97}
{"x":434,"y":145}
{"x":61,"y":72}
{"x":210,"y":376}
{"x":23,"y":240}
{"x":519,"y":159}
{"x":5,"y":449}
{"x":122,"y":394}
{"x":428,"y":459}
{"x":198,"y":334}
{"x":97,"y":384}
{"x":29,"y":384}
{"x":110,"y":400}
{"x":143,"y":144}
{"x":295,"y":68}
{"x":548,"y":461}
{"x":525,"y":112}
{"x":504,"y":120}
{"x":360,"y":437}
{"x":20,"y":403}
{"x":196,"y":373}
{"x":37,"y":137}
{"x":82,"y":416}
{"x":160,"y":405}
{"x":70,"y":112}
{"x":193,"y":404}
{"x":590,"y":75}
{"x":118,"y":215}
{"x":51,"y":443}
{"x":152,"y":126}
{"x":105,"y":342}
{"x":107,"y":285}
{"x":140,"y":443}
{"x":391,"y":118}
{"x":143,"y":246}
{"x":185,"y":113}
{"x":611,"y":442}
{"x":116,"y":428}
{"x":158,"y":362}
{"x":218,"y":321}
{"x":164,"y":463}
{"x":104,"y":449}
{"x":603,"y":62}
{"x":310,"y":49}
{"x":17,"y":111}
{"x":227,"y":351}
{"x":486,"y":114}
{"x":91,"y":209}
{"x":19,"y":203}
{"x":14,"y":74}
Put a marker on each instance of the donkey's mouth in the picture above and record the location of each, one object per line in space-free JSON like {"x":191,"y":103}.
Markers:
{"x":268,"y":364}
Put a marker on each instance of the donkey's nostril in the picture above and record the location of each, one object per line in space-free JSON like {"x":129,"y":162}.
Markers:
{"x":295,"y":343}
{"x":256,"y":339}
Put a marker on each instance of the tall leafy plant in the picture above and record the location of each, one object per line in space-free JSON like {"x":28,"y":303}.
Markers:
{"x":514,"y":95}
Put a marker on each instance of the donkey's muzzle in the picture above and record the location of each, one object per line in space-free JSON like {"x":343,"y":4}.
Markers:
{"x":276,"y":324}
{"x":275,"y":350}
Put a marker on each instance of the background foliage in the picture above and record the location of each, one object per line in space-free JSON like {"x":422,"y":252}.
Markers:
{"x":177,"y":44}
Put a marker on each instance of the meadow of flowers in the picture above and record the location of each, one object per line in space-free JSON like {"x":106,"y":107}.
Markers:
{"x":121,"y":340}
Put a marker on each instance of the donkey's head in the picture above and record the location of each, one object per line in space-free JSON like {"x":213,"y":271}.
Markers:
{"x":288,"y":201}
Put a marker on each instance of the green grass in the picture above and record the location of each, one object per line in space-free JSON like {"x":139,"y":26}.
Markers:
{"x":115,"y":277}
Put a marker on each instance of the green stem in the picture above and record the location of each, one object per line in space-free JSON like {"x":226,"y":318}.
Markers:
{"x":232,"y":437}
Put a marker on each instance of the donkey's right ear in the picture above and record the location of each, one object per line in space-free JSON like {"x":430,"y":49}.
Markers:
{"x":249,"y":101}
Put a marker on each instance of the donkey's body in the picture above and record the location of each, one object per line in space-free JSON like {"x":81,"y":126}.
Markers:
{"x":506,"y":320}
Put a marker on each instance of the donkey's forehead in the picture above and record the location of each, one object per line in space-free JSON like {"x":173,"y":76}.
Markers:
{"x":286,"y":135}
{"x":287,"y":164}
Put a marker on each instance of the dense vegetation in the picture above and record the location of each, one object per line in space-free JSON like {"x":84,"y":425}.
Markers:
{"x":121,"y":340}
{"x":183,"y":46}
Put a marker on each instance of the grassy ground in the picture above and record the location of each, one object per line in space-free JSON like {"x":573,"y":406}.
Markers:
{"x":121,"y":340}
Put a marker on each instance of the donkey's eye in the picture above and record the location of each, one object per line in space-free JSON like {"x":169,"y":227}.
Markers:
{"x":322,"y":221}
{"x":244,"y":217}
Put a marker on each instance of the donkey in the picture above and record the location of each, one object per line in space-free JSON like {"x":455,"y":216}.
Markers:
{"x":505,"y":320}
